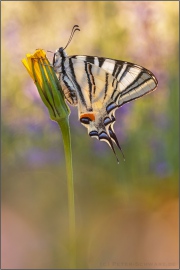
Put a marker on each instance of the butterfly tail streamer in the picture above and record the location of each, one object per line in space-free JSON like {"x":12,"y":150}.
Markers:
{"x":103,"y":136}
{"x":114,"y":138}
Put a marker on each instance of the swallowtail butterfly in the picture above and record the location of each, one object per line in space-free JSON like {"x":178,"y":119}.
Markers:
{"x":99,"y":86}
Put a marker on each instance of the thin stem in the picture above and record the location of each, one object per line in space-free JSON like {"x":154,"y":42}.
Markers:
{"x":64,"y":126}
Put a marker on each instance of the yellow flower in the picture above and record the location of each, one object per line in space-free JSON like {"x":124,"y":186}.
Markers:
{"x":47,"y":84}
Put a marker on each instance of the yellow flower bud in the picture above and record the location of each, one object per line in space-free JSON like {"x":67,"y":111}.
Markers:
{"x":47,"y":84}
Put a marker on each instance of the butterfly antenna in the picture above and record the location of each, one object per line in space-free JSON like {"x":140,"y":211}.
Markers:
{"x":74,"y":29}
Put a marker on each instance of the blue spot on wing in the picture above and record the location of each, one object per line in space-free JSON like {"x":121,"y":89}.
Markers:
{"x":107,"y":121}
{"x":93,"y":133}
{"x":111,"y":107}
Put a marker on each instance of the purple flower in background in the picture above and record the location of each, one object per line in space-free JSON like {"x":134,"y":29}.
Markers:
{"x":11,"y":33}
{"x":159,"y":164}
{"x":120,"y":125}
{"x":162,"y":121}
{"x":31,"y":92}
{"x":162,"y":168}
{"x":100,"y":148}
{"x":39,"y":157}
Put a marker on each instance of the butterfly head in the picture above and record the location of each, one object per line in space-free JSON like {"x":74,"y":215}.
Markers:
{"x":58,"y":57}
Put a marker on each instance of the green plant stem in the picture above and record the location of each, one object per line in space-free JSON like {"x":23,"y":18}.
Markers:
{"x":64,"y":126}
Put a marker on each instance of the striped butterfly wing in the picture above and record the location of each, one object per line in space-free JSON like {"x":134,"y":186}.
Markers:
{"x":102,"y":85}
{"x":130,"y":81}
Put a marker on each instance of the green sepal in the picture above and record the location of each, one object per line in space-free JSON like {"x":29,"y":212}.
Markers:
{"x":51,"y":92}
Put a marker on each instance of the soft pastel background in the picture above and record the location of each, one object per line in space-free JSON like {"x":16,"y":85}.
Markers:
{"x":126,"y":214}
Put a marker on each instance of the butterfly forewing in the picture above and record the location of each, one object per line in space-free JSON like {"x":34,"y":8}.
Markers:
{"x":130,"y":80}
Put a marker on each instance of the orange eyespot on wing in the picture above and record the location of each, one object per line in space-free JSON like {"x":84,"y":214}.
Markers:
{"x":89,"y":115}
{"x":85,"y":118}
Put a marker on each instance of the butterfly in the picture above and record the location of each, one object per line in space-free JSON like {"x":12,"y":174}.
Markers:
{"x":98,"y":86}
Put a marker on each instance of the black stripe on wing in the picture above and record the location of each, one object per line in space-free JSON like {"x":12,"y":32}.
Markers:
{"x":76,"y":83}
{"x":139,"y":87}
{"x":117,"y":64}
{"x":119,"y":70}
{"x":92,"y":78}
{"x":106,"y":84}
{"x":101,"y":61}
{"x":87,"y":67}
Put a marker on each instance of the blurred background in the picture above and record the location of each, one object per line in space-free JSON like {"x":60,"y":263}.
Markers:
{"x":126,"y":214}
